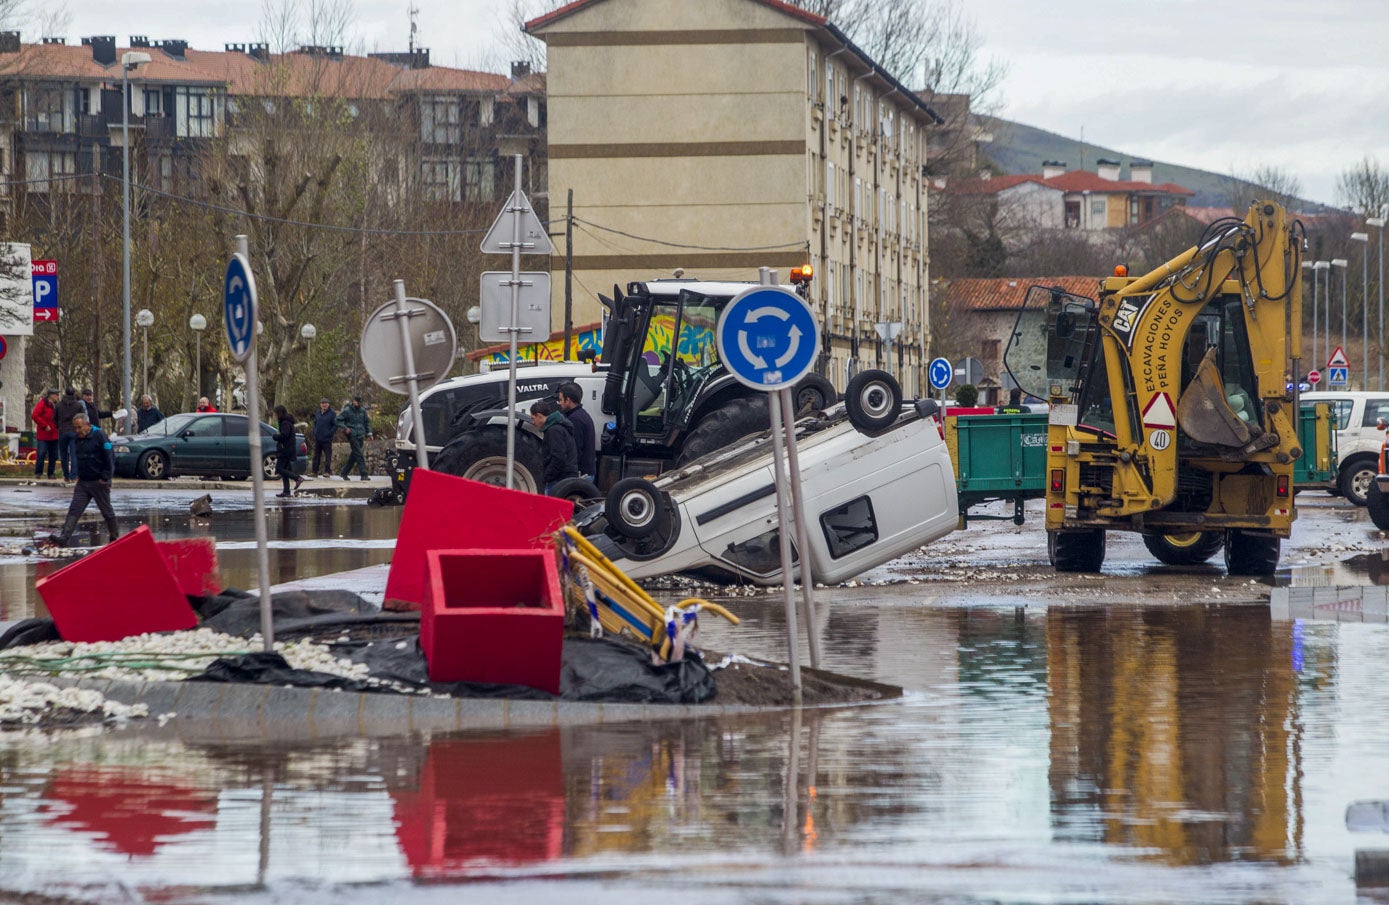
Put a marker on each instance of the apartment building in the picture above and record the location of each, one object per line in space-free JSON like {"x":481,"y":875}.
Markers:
{"x":714,"y":138}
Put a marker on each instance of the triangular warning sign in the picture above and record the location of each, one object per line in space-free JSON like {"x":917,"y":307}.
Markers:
{"x":1338,"y":359}
{"x":1159,"y":412}
{"x":535,"y":240}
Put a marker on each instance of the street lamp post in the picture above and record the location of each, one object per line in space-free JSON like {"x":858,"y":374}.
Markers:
{"x":129,"y":60}
{"x":308,"y":332}
{"x":1317,"y":268}
{"x":1364,"y":306}
{"x":197,"y":323}
{"x":1344,"y":265}
{"x":1378,"y":223}
{"x":145,"y":319}
{"x":1307,"y":265}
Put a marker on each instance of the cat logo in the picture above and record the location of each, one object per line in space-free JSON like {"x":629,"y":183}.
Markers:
{"x":1127,"y":316}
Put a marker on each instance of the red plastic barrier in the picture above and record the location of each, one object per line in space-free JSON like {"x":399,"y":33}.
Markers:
{"x":443,"y":512}
{"x":493,"y":616}
{"x":969,"y":410}
{"x":194,"y":564}
{"x":124,"y":588}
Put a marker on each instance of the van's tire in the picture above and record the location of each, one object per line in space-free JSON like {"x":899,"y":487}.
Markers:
{"x":480,"y":455}
{"x":873,"y":399}
{"x":1247,"y":553}
{"x":579,"y":491}
{"x":724,"y":426}
{"x":813,"y":394}
{"x":1076,"y":551}
{"x":1378,"y":505}
{"x":634,"y":508}
{"x":1189,"y":549}
{"x":1356,"y":477}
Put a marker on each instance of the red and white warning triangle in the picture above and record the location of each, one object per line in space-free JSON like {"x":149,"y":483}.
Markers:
{"x":1338,"y":359}
{"x":1159,"y":412}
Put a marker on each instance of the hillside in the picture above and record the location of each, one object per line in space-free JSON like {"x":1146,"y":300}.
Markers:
{"x":1018,"y":148}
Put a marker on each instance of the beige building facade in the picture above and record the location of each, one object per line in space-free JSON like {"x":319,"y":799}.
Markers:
{"x":720,"y":136}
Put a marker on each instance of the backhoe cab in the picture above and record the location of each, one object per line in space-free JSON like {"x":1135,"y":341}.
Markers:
{"x":1171,"y":408}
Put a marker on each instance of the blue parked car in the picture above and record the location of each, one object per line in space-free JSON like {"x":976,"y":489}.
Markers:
{"x":199,"y":443}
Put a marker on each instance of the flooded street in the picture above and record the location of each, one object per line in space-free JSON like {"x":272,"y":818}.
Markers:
{"x":1151,"y":735}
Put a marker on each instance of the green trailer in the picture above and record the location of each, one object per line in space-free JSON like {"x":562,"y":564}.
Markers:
{"x":1004,"y":457}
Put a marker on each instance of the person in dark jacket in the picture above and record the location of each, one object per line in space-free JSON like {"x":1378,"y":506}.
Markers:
{"x":285,"y":451}
{"x":96,"y":464}
{"x":148,"y":415}
{"x":45,"y":415}
{"x":357,"y":428}
{"x":571,"y":401}
{"x":68,"y":407}
{"x":560,"y":454}
{"x":93,"y":411}
{"x":325,"y":426}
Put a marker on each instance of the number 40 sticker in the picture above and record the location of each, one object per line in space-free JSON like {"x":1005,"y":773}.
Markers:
{"x":1160,"y":440}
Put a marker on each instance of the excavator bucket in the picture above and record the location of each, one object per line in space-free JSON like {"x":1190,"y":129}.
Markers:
{"x":1205,"y":411}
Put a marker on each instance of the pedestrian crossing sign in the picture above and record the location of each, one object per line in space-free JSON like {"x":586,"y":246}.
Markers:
{"x":1338,"y":376}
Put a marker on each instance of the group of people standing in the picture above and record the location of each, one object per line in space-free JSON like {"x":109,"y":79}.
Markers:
{"x":567,"y":436}
{"x":355,"y":425}
{"x":56,"y":432}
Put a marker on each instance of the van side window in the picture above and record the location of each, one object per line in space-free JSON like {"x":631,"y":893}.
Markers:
{"x":1341,"y":408}
{"x":850,"y":527}
{"x":1374,"y":410}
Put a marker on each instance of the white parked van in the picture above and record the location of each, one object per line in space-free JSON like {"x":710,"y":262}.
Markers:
{"x":1358,"y":437}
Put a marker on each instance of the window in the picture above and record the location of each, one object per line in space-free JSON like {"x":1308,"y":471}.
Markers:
{"x":760,"y":555}
{"x":812,"y":78}
{"x":46,"y":109}
{"x":82,"y":101}
{"x":440,"y":120}
{"x":1375,"y":409}
{"x":41,"y":165}
{"x":1097,"y":208}
{"x":850,"y":527}
{"x":440,"y":179}
{"x":195,"y":112}
{"x":480,"y":179}
{"x":153,"y":107}
{"x":831,"y":102}
{"x":829,"y":183}
{"x":1072,"y":214}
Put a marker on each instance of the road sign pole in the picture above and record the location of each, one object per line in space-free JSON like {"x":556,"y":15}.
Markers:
{"x":802,"y":532}
{"x":513,"y":325}
{"x":403,"y":314}
{"x":267,"y":622}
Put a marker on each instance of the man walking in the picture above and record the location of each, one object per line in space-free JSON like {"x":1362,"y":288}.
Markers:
{"x":96,"y":464}
{"x":148,"y":415}
{"x":571,"y":401}
{"x":45,"y":415}
{"x":68,"y":407}
{"x":357,"y":428}
{"x":325,"y":425}
{"x":557,"y":443}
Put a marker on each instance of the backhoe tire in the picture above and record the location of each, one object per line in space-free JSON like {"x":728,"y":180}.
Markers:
{"x":1247,"y":553}
{"x":724,"y":426}
{"x":1076,"y":551}
{"x":873,"y":399}
{"x":579,"y":491}
{"x":634,"y":508}
{"x":480,"y":455}
{"x":813,"y":394}
{"x":1356,"y":477}
{"x":1378,"y":505}
{"x":1189,"y":549}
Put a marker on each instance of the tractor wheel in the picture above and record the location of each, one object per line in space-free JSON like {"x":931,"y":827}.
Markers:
{"x":814,"y":394}
{"x":1188,"y":549}
{"x":874,"y":399}
{"x":1076,"y":551}
{"x":1378,"y":506}
{"x":723,"y":426}
{"x":480,"y":455}
{"x":579,"y":491}
{"x":1250,"y":554}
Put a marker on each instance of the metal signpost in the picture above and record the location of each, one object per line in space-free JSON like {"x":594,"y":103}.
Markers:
{"x":940,"y":373}
{"x":239,"y":316}
{"x":768,"y":339}
{"x":419,"y":356}
{"x":1338,"y":369}
{"x":517,"y":229}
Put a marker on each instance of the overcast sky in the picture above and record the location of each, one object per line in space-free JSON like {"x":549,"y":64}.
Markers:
{"x":1220,"y":86}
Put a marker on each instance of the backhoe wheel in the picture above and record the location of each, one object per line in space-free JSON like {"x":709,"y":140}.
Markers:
{"x":579,"y":491}
{"x":480,"y":455}
{"x":723,"y":427}
{"x":1378,"y":505}
{"x":873,"y":399}
{"x":1184,"y":549}
{"x":813,"y":394}
{"x":1076,"y":551}
{"x":1356,"y":477}
{"x":1247,"y":553}
{"x":634,"y":508}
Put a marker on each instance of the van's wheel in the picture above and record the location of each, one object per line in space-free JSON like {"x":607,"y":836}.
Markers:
{"x":723,"y":427}
{"x":480,"y":455}
{"x":1247,"y":553}
{"x":579,"y":491}
{"x":633,"y":508}
{"x":814,"y":394}
{"x":873,"y":399}
{"x":1184,"y":549}
{"x":1356,"y":477}
{"x":1378,"y":505}
{"x":1076,"y":551}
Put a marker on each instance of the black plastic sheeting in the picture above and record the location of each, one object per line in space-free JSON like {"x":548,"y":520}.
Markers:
{"x":593,"y":670}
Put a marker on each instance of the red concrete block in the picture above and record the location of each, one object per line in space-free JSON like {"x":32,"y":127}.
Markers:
{"x":124,"y":588}
{"x":443,"y":512}
{"x":493,"y":616}
{"x":194,"y":563}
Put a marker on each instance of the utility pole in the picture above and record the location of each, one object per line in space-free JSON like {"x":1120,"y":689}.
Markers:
{"x":568,"y":274}
{"x":96,"y":270}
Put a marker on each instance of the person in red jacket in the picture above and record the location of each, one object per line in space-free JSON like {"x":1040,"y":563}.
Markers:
{"x":45,"y":417}
{"x":205,"y":406}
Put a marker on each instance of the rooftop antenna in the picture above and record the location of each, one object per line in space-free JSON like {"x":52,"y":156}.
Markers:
{"x":414,"y":11}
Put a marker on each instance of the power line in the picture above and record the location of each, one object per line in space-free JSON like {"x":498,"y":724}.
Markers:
{"x":784,"y":246}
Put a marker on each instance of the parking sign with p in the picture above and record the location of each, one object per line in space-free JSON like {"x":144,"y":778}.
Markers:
{"x":44,"y":275}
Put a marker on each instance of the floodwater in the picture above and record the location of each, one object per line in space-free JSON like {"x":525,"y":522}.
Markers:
{"x":1045,"y":751}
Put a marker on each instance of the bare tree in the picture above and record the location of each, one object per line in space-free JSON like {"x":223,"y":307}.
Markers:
{"x":1264,"y":183}
{"x":1364,"y":188}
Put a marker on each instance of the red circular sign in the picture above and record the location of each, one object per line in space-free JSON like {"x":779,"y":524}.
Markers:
{"x":4,"y":347}
{"x":1314,"y":377}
